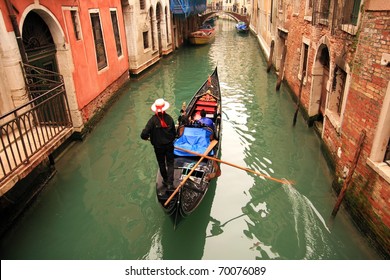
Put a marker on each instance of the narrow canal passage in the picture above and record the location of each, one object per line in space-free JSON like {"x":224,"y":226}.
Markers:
{"x":101,"y":204}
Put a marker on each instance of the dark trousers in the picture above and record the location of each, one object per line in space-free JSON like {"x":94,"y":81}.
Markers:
{"x":165,"y":159}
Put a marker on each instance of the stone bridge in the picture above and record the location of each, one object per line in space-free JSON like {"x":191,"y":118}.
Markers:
{"x":236,"y":16}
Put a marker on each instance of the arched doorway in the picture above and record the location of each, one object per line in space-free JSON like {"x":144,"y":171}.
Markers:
{"x":320,"y":78}
{"x":38,"y":43}
{"x":43,"y":79}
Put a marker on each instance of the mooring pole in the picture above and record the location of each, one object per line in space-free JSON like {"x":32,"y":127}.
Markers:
{"x":349,"y":177}
{"x":281,"y":68}
{"x":271,"y":54}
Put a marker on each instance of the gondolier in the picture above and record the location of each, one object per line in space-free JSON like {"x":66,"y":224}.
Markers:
{"x":160,"y":129}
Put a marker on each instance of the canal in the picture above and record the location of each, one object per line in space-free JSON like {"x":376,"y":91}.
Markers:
{"x":101,"y":203}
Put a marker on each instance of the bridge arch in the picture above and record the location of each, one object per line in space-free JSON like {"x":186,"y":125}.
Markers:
{"x":236,"y":16}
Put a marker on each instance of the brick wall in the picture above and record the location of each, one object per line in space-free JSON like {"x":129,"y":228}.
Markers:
{"x":368,"y":196}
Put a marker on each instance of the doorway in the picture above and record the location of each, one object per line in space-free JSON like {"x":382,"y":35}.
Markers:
{"x":43,"y":78}
{"x":319,"y":93}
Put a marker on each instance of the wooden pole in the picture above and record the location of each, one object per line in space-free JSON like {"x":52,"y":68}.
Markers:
{"x":271,"y":54}
{"x":281,"y":68}
{"x":237,"y":166}
{"x":299,"y":98}
{"x":351,"y":171}
{"x":204,"y":155}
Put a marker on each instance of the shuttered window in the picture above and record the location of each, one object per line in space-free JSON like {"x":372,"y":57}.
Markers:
{"x":115,"y":28}
{"x":324,"y":11}
{"x":351,"y":12}
{"x":99,"y":41}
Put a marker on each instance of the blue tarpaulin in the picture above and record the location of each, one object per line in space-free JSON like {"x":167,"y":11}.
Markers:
{"x":193,"y":139}
{"x":186,"y":8}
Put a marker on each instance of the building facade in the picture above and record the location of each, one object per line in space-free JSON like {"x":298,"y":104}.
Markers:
{"x":84,"y":42}
{"x":148,"y":32}
{"x":339,"y":51}
{"x":60,"y":63}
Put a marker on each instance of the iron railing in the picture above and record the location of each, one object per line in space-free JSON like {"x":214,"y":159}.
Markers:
{"x":28,"y":128}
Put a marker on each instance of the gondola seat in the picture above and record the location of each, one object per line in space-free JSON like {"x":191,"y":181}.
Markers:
{"x":195,"y":139}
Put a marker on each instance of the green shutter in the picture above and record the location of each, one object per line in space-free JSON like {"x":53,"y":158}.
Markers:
{"x":355,"y":12}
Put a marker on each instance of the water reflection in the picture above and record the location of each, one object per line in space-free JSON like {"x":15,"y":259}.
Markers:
{"x":188,"y":240}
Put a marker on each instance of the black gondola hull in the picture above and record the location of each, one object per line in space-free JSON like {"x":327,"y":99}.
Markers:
{"x":192,"y":192}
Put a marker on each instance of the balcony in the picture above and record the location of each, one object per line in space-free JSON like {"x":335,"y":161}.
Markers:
{"x":31,"y":132}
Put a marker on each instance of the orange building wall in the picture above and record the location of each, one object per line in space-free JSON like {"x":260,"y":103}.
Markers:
{"x":89,"y":83}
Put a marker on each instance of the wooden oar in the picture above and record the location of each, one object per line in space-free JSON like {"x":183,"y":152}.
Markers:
{"x":237,"y":166}
{"x":204,"y":155}
{"x":299,"y":98}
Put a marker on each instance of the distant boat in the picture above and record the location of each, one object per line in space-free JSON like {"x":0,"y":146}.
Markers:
{"x":211,"y":21}
{"x":207,"y":27}
{"x":242,"y":27}
{"x":202,"y":36}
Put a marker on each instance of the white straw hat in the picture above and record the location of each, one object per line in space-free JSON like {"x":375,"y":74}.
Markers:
{"x":160,"y":105}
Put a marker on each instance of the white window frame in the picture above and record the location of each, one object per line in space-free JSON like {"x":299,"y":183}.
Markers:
{"x":381,"y":138}
{"x":334,"y":117}
{"x":305,"y":41}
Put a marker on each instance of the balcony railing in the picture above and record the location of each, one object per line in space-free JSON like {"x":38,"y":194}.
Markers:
{"x":29,"y":128}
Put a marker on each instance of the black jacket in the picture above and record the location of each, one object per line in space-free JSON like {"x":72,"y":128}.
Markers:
{"x":159,"y":136}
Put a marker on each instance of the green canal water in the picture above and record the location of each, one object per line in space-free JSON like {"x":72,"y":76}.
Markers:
{"x":101,"y":203}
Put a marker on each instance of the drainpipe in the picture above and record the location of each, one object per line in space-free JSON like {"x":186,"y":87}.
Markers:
{"x":15,"y":26}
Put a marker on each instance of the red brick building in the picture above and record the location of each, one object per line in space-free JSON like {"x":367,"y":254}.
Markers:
{"x":341,"y":50}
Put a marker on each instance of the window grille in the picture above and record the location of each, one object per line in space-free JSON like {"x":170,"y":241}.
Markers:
{"x":321,"y":11}
{"x":142,"y":4}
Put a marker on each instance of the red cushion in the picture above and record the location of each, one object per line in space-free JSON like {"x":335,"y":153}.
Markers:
{"x":207,"y":103}
{"x":207,"y":109}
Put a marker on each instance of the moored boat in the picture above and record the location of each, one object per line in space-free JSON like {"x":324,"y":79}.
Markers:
{"x":193,"y":172}
{"x":242,"y":27}
{"x":202,"y":36}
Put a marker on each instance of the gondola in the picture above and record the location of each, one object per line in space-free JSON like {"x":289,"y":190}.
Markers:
{"x":193,"y":173}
